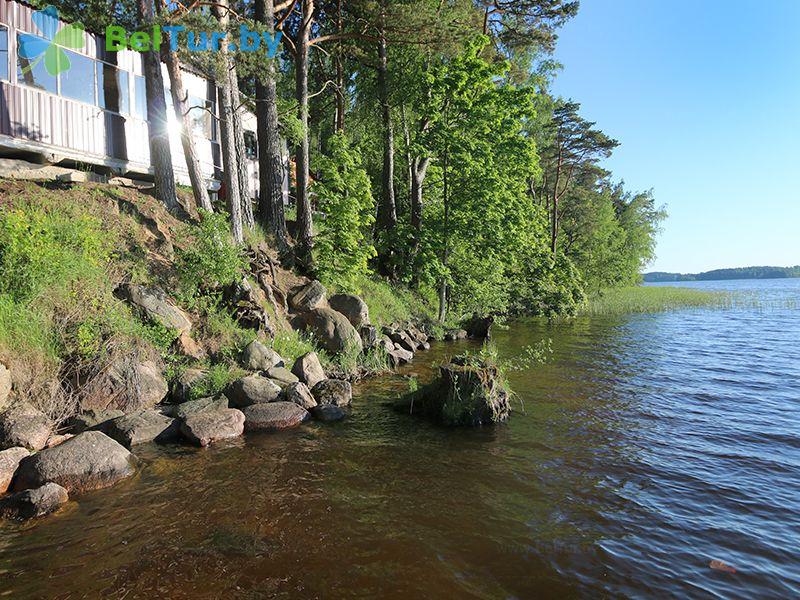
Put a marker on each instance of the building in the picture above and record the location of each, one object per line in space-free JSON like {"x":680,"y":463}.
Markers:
{"x":94,"y":112}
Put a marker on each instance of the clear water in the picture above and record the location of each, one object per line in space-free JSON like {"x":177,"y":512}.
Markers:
{"x":650,"y":445}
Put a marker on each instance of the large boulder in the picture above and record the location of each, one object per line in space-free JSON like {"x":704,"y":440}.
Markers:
{"x":333,"y":391}
{"x":479,"y":328}
{"x":186,"y":382}
{"x":258,"y":357}
{"x":352,"y":307}
{"x":182,"y":411}
{"x":205,"y":427}
{"x":307,"y":297}
{"x":9,"y":461}
{"x":274,"y":416}
{"x":308,"y":369}
{"x":23,"y":425}
{"x":30,"y":504}
{"x":299,"y":394}
{"x":89,"y":461}
{"x":142,"y":427}
{"x":5,"y":386}
{"x":155,"y":305}
{"x":253,"y":389}
{"x":331,"y":329}
{"x":328,"y":413}
{"x":128,"y":385}
{"x":92,"y":419}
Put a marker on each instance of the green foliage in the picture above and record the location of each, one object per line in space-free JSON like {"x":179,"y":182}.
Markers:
{"x":343,"y":246}
{"x":218,"y":377}
{"x":393,"y":303}
{"x":291,"y":344}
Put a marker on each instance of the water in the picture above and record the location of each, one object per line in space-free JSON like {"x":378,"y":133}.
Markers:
{"x":650,"y":445}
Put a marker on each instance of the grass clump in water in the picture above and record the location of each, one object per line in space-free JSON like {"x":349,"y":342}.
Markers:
{"x":648,"y":299}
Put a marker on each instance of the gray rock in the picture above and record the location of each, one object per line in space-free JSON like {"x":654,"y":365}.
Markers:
{"x":308,"y":369}
{"x":91,"y":419}
{"x":425,"y":346}
{"x":5,"y":386}
{"x":182,"y":388}
{"x":385,"y":342}
{"x":89,"y":461}
{"x":23,"y":425}
{"x":257,"y":357}
{"x":300,"y":395}
{"x":206,"y":427}
{"x":274,"y":416}
{"x":9,"y":461}
{"x":352,"y":307}
{"x":369,"y":336}
{"x":328,"y":413}
{"x":253,"y":389}
{"x":399,"y":356}
{"x":131,"y":386}
{"x":331,"y":329}
{"x":142,"y":427}
{"x":403,"y":340}
{"x":452,"y":335}
{"x":38,"y":502}
{"x":282,"y":376}
{"x":182,"y":411}
{"x":307,"y":297}
{"x":333,"y":391}
{"x":154,"y":304}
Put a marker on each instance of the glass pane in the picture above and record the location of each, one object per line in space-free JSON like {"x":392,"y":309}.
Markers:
{"x":200,"y":117}
{"x":250,"y":145}
{"x":112,"y":89}
{"x":140,"y":98}
{"x":3,"y":53}
{"x":77,"y":82}
{"x":30,"y":63}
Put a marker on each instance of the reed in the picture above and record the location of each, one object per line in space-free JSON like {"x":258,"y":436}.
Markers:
{"x":647,"y":299}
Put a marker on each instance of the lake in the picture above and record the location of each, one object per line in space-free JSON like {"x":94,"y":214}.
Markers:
{"x":649,"y":446}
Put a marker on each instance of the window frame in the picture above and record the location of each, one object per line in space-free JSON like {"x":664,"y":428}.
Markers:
{"x":7,"y":76}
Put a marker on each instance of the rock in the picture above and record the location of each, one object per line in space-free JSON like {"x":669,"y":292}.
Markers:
{"x":385,"y":342}
{"x":400,"y":356}
{"x":131,"y":386}
{"x":479,"y":328}
{"x":56,"y":439}
{"x":328,"y":413}
{"x":182,"y":411}
{"x":142,"y":427}
{"x":331,"y":329}
{"x":257,"y":357}
{"x":452,"y":335}
{"x":154,"y":304}
{"x":23,"y":425}
{"x":352,"y":307}
{"x":89,"y":461}
{"x":152,"y":387}
{"x":424,"y":346}
{"x":91,"y":419}
{"x":185,"y":345}
{"x":300,"y":395}
{"x":247,"y":303}
{"x":402,"y":339}
{"x":9,"y":461}
{"x":182,"y":388}
{"x":274,"y":416}
{"x":5,"y":387}
{"x":282,"y":376}
{"x":418,"y":336}
{"x":333,"y":391}
{"x":253,"y":389}
{"x":208,"y":426}
{"x":38,"y":502}
{"x":369,"y":336}
{"x":308,"y":369}
{"x":307,"y":297}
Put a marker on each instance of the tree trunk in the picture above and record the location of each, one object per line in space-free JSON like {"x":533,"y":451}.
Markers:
{"x":446,"y":252}
{"x":388,"y":213}
{"x":227,"y":134}
{"x":241,"y":153}
{"x":340,"y":84}
{"x":179,"y":97}
{"x":554,"y":208}
{"x":304,"y":221}
{"x":160,"y":155}
{"x":271,"y":167}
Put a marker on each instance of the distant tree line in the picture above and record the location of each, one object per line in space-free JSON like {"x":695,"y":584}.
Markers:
{"x":723,"y":274}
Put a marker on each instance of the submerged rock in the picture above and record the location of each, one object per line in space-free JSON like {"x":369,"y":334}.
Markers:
{"x":331,"y":329}
{"x":352,"y":307}
{"x":253,"y":389}
{"x":89,"y":461}
{"x":300,"y":395}
{"x":142,"y":427}
{"x":333,"y":391}
{"x":308,"y":369}
{"x":9,"y":461}
{"x":274,"y":416}
{"x":34,"y":503}
{"x":307,"y":297}
{"x":328,"y":413}
{"x":23,"y":425}
{"x":203,"y":428}
{"x":258,"y":357}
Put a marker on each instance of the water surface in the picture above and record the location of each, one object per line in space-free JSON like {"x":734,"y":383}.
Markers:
{"x":649,"y":446}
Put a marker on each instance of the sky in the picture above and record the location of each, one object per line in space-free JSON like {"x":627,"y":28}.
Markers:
{"x":704,"y":97}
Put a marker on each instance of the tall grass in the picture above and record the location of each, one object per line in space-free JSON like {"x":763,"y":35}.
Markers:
{"x":648,"y":299}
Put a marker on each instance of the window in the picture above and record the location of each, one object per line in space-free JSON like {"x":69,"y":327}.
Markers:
{"x":3,"y":53}
{"x":112,"y":89}
{"x":250,"y":145}
{"x":140,"y":98}
{"x":200,"y":115}
{"x":77,"y":81}
{"x":30,"y":63}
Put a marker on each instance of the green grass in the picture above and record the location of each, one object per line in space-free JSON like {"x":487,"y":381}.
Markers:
{"x":393,"y":303}
{"x":649,"y":299}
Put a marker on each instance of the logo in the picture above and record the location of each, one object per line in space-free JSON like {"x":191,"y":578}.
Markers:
{"x":50,"y":49}
{"x":196,"y":41}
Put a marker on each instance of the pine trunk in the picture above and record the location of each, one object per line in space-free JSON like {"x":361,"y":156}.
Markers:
{"x":304,"y":221}
{"x":241,"y":152}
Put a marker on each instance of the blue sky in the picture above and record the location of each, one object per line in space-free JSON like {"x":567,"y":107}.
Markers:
{"x":704,"y":97}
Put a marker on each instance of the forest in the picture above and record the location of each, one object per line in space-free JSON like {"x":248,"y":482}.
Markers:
{"x":426,"y":147}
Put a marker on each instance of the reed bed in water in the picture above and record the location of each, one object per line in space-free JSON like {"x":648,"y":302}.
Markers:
{"x":645,"y":299}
